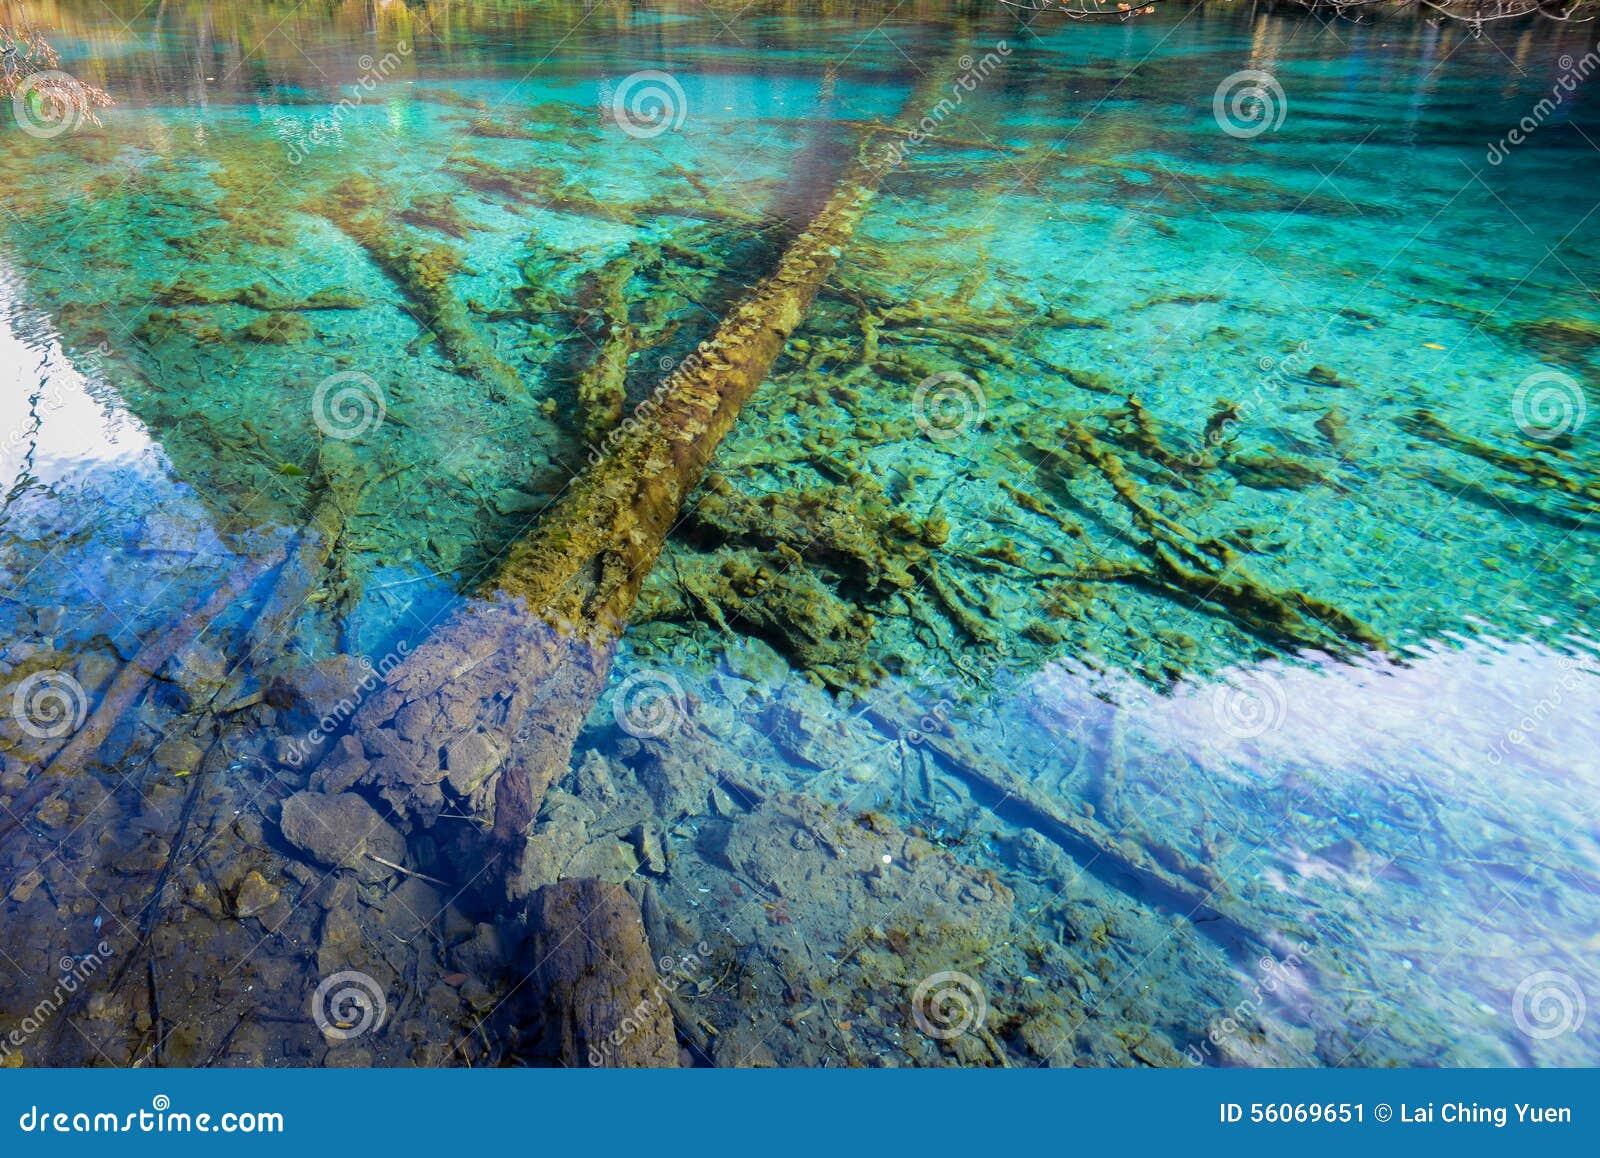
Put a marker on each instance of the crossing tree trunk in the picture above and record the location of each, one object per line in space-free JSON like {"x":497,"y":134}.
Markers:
{"x":483,"y":715}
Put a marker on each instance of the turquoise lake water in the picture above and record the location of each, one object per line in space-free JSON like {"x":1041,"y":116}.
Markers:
{"x":1215,"y":393}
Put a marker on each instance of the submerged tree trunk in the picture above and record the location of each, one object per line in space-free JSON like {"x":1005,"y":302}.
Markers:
{"x":482,"y":717}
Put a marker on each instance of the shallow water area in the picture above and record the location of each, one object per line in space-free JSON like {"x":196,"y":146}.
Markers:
{"x":1143,"y":617}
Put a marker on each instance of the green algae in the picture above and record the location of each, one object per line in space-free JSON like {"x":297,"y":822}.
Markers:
{"x":278,"y":328}
{"x":259,"y":296}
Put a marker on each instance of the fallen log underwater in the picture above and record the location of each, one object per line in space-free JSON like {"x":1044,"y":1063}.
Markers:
{"x":483,"y":715}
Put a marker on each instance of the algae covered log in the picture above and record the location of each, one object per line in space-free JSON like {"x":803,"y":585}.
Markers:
{"x":601,"y":386}
{"x":339,"y":488}
{"x":484,"y":714}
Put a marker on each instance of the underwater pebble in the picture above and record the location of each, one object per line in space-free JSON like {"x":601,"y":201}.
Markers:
{"x":25,"y":886}
{"x":255,"y":895}
{"x":53,"y":813}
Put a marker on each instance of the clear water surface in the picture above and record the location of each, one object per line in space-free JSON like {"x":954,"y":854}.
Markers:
{"x":1319,"y":326}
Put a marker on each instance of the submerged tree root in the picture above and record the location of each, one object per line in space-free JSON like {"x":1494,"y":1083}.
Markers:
{"x":340,"y":484}
{"x":1212,"y":572}
{"x":550,"y":190}
{"x":1579,"y":498}
{"x":601,"y":386}
{"x":258,"y":296}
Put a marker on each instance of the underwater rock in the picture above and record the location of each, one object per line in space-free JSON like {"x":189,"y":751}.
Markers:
{"x":178,"y":756}
{"x":811,"y":740}
{"x":678,"y":770}
{"x":862,"y":865}
{"x":1323,"y":376}
{"x":339,"y":943}
{"x":471,"y":759}
{"x":54,"y":812}
{"x":324,"y":689}
{"x":199,"y":670}
{"x":254,"y":895}
{"x":341,"y":830}
{"x":1333,"y":426}
{"x":831,"y":919}
{"x":22,"y":891}
{"x":341,"y":769}
{"x":755,"y":660}
{"x":603,"y":1003}
{"x":652,"y":853}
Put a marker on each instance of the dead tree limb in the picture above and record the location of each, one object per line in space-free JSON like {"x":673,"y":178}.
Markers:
{"x":1174,"y":880}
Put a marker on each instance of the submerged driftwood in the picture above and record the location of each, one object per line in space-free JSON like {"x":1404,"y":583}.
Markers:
{"x":482,"y":717}
{"x":601,"y":1001}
